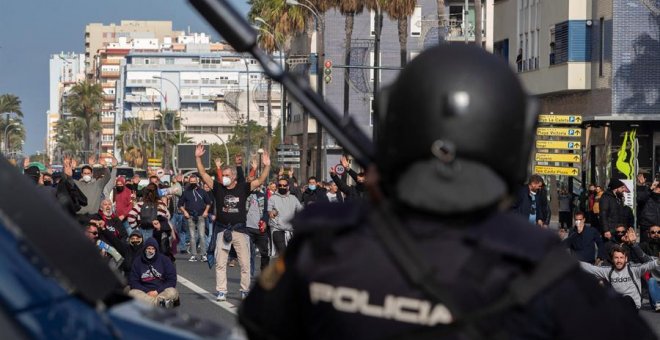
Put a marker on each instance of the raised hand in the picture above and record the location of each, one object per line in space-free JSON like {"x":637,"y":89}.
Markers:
{"x":218,"y":163}
{"x":199,"y":150}
{"x":91,"y":160}
{"x":281,"y":172}
{"x":26,"y":162}
{"x":114,"y":161}
{"x":332,"y":170}
{"x":66,"y":166}
{"x":344,"y":161}
{"x":253,"y":164}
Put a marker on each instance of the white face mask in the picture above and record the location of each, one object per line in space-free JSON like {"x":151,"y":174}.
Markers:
{"x":226,"y":181}
{"x":87,"y":178}
{"x":149,"y":254}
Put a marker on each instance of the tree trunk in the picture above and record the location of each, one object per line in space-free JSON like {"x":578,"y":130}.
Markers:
{"x":442,"y":20}
{"x":269,"y":113}
{"x":403,"y":39}
{"x":348,"y":27}
{"x":477,"y":23}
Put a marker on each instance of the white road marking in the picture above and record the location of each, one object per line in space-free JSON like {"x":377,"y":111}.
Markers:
{"x":211,"y":297}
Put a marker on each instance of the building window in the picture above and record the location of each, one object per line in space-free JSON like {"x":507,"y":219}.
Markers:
{"x":372,"y":23}
{"x":416,"y":22}
{"x":169,"y":61}
{"x":501,"y":48}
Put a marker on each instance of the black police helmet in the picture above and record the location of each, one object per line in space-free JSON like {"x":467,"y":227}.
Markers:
{"x":455,"y":130}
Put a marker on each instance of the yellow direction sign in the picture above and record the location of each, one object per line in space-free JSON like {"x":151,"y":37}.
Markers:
{"x":560,"y":119}
{"x":560,"y":132}
{"x":558,"y":157}
{"x":154,"y":160}
{"x":562,"y":145}
{"x":556,"y":170}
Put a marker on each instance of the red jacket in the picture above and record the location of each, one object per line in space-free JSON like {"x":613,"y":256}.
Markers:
{"x":123,"y":203}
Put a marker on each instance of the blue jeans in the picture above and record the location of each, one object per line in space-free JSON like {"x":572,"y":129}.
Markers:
{"x":182,"y":230}
{"x":209,"y":227}
{"x":654,"y":291}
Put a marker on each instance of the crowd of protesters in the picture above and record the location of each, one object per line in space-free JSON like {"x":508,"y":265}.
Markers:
{"x":234,"y":213}
{"x":599,"y":232}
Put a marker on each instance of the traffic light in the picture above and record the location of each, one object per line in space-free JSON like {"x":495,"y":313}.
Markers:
{"x":327,"y":71}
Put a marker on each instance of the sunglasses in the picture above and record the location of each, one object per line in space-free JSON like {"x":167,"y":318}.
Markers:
{"x":93,"y":232}
{"x":654,"y":232}
{"x":620,"y":232}
{"x":283,"y":186}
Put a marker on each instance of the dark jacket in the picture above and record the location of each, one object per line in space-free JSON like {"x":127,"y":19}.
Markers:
{"x":523,"y":204}
{"x":194,"y":200}
{"x":157,"y":273}
{"x":352,"y":192}
{"x":650,"y":247}
{"x":316,"y":196}
{"x":651,"y":214}
{"x":611,"y":211}
{"x":582,"y":245}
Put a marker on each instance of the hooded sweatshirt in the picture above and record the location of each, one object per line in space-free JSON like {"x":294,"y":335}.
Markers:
{"x":286,"y":206}
{"x":157,"y":273}
{"x":123,"y":202}
{"x":621,"y":280}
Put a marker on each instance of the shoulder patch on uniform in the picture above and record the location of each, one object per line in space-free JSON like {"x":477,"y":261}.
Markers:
{"x":328,"y":216}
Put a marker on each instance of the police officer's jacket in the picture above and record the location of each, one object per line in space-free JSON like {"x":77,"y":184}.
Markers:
{"x":337,"y":281}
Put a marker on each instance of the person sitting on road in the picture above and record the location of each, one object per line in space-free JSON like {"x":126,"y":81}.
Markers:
{"x":153,"y":277}
{"x":624,"y":277}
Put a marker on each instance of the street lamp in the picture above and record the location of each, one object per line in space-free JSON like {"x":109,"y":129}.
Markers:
{"x":279,"y":48}
{"x":247,"y":71}
{"x":7,"y":128}
{"x":320,"y":29}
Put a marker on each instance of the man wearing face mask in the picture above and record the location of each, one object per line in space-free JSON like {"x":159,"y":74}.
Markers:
{"x":582,"y":239}
{"x":611,"y":205}
{"x":195,"y":204}
{"x":281,"y":208}
{"x":352,"y":192}
{"x":123,"y":201}
{"x":153,"y":277}
{"x":93,"y":188}
{"x":314,"y":193}
{"x":650,"y":215}
{"x":133,"y":251}
{"x":231,"y":213}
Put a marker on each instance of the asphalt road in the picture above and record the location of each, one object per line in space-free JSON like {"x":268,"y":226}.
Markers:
{"x":197,"y":289}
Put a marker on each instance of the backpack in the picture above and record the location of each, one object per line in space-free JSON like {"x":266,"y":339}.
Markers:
{"x":148,"y":213}
{"x":609,"y":278}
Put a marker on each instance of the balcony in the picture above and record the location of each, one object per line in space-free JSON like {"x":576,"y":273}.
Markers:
{"x":142,"y":98}
{"x":569,"y":76}
{"x":108,"y":85}
{"x":109,"y":97}
{"x":107,"y":120}
{"x":109,"y":74}
{"x":196,"y":98}
{"x":110,"y":61}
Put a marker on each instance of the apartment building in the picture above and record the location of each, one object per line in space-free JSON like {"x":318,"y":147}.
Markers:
{"x":65,"y":70}
{"x":594,"y":58}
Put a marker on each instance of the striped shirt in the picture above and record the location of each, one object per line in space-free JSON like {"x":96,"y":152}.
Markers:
{"x":134,"y":216}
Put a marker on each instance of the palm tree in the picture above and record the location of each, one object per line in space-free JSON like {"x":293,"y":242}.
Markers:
{"x":348,"y":8}
{"x":84,"y":101}
{"x":70,"y":137}
{"x":400,"y":10}
{"x":10,"y":103}
{"x":442,"y":19}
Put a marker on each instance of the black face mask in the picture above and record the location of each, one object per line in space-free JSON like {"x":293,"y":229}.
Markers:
{"x":48,"y":183}
{"x":135,"y":244}
{"x":359,"y":186}
{"x":192,"y":185}
{"x":120,"y":189}
{"x":283,"y":191}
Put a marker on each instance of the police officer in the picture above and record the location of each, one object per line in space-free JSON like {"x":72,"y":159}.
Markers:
{"x":436,"y":254}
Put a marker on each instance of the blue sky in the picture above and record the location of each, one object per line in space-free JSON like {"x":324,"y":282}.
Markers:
{"x":31,"y":30}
